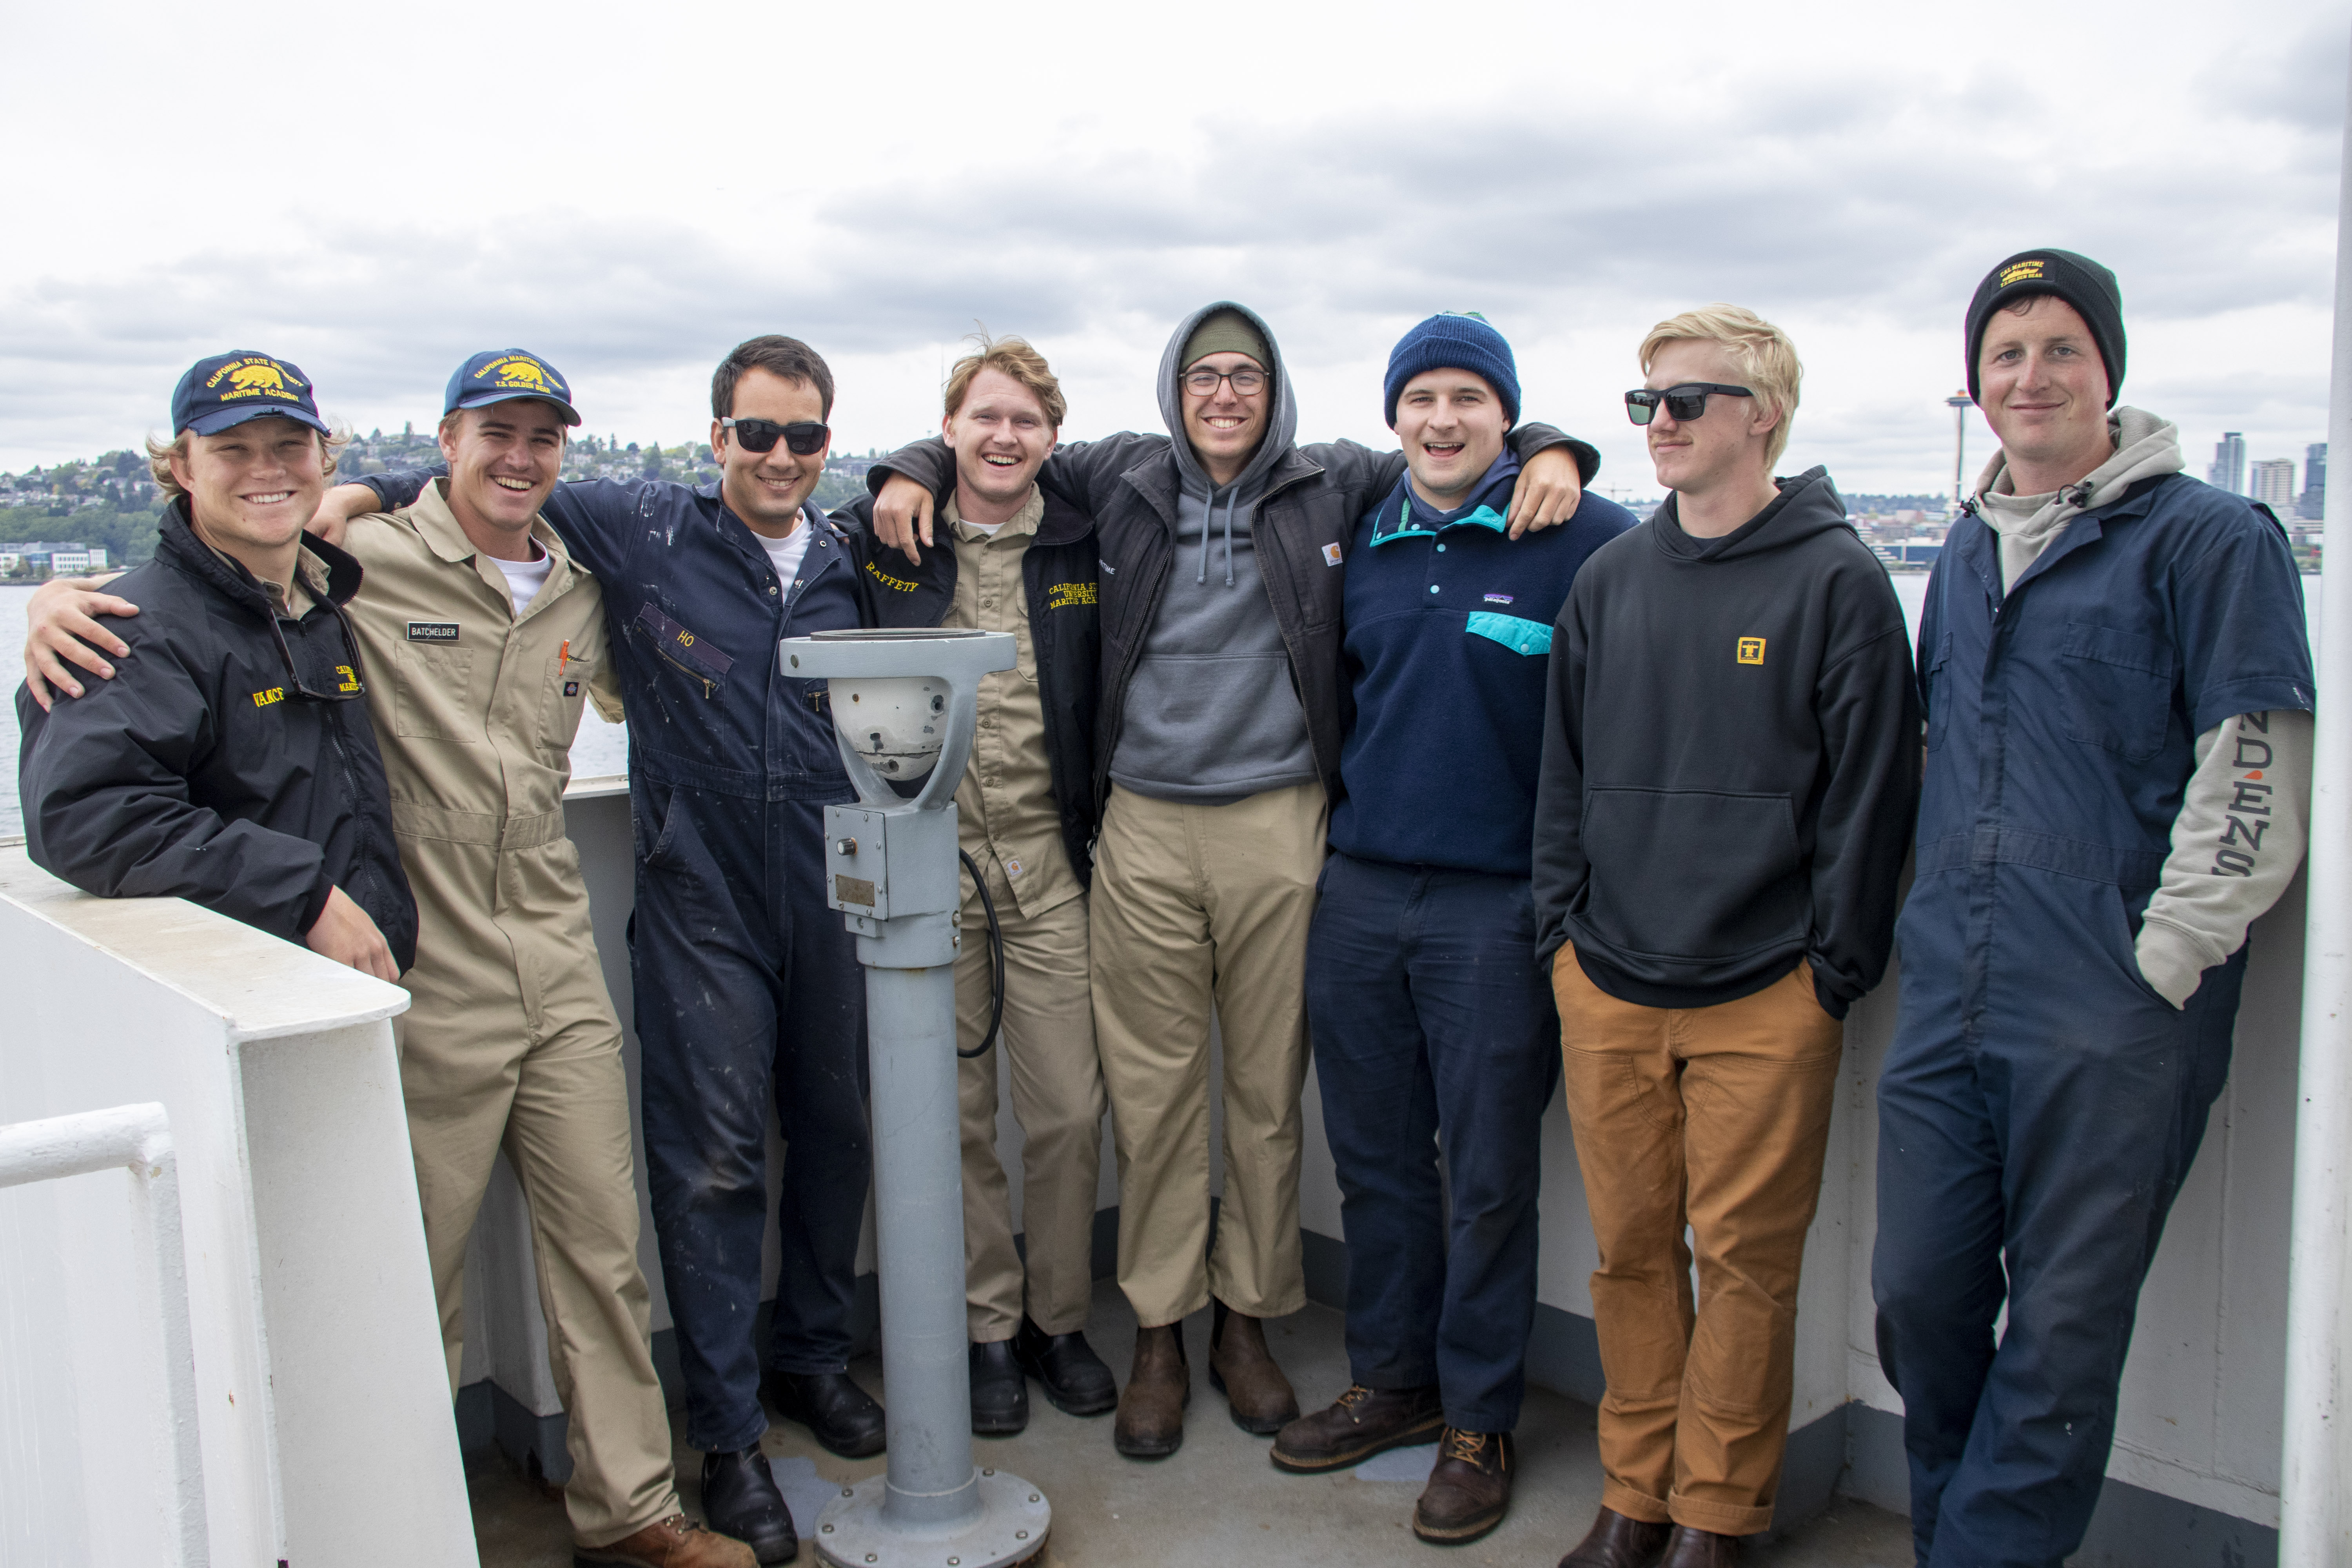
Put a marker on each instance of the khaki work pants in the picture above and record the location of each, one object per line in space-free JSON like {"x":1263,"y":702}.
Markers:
{"x":511,"y":1043}
{"x":1718,"y":1118}
{"x":1195,"y":906}
{"x":1047,"y":1049}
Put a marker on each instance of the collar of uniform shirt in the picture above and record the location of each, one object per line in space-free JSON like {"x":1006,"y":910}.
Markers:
{"x":1025,"y":521}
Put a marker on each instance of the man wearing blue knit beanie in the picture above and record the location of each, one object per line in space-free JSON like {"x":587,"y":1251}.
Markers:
{"x":1428,"y":1009}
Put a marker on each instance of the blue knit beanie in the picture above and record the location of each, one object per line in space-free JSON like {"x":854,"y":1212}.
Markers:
{"x":1454,"y":341}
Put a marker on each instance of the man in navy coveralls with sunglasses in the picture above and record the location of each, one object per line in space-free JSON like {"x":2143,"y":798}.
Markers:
{"x":748,"y":990}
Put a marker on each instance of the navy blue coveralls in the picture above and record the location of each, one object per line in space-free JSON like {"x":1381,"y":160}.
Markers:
{"x":2040,"y":1104}
{"x":1430,"y":1013}
{"x":747,"y":988}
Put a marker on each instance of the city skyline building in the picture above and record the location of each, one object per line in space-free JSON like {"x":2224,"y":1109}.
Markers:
{"x":2314,"y":503}
{"x":2228,"y":471}
{"x":2271,"y":482}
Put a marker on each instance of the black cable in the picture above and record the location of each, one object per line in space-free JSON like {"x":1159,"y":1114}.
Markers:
{"x":996,"y":960}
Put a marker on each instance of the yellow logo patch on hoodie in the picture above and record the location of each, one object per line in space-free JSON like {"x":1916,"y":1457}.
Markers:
{"x":1752,"y":650}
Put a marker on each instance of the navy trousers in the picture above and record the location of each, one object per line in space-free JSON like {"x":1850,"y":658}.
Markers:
{"x":1429,"y":1017}
{"x":2038,"y":1111}
{"x":749,"y":995}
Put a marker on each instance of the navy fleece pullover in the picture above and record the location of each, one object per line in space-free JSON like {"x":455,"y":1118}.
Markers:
{"x":1449,"y":623}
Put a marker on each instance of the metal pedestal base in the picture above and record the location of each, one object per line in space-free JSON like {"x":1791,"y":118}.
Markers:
{"x":1010,"y":1529}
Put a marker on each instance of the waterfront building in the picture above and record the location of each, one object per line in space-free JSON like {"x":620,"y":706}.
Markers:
{"x":2271,"y":482}
{"x":2228,"y":468}
{"x":2314,"y":504}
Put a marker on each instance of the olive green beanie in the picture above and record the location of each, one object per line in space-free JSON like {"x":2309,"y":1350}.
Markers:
{"x":1225,"y":331}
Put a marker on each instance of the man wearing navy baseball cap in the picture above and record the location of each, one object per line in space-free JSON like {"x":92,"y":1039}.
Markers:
{"x":482,"y":638}
{"x":1429,"y":1013}
{"x":233,"y":764}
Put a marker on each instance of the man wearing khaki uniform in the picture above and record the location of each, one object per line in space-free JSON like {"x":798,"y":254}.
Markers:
{"x":479,"y":676}
{"x":1024,"y":563}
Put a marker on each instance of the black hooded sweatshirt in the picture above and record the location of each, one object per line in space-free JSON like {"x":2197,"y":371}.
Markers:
{"x":1731,"y":759}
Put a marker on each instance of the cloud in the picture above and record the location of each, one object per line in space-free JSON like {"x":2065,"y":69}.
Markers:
{"x":1860,"y":206}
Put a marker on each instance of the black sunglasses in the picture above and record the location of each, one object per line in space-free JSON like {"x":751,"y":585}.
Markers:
{"x":1687,"y":401}
{"x":803,"y":437}
{"x":352,"y":685}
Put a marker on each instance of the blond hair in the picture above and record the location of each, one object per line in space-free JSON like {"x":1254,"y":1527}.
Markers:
{"x":161,"y":453}
{"x":1012,"y":357}
{"x":1767,"y":358}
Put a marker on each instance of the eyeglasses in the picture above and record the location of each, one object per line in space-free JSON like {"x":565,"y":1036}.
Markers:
{"x":1248,"y":381}
{"x":1687,"y":401}
{"x":350,"y":684}
{"x":802,"y":438}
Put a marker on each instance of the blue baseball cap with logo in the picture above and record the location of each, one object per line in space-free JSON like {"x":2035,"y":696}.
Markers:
{"x":496,"y":375}
{"x":229,"y":389}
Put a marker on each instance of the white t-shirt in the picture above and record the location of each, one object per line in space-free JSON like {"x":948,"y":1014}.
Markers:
{"x":787,"y":552}
{"x":525,"y":578}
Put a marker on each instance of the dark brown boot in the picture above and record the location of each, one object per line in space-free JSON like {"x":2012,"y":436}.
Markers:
{"x":1151,"y":1423}
{"x":1469,"y":1492}
{"x":1242,"y":1369}
{"x":1362,"y":1422}
{"x":1358,"y":1426}
{"x":1619,"y":1541}
{"x":1700,"y":1548}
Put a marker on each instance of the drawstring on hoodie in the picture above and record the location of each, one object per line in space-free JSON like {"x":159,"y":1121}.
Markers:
{"x":1207,"y":506}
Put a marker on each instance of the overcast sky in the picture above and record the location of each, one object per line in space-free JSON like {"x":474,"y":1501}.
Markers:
{"x":628,"y":190}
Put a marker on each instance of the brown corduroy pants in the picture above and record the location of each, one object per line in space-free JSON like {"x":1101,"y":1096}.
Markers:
{"x":1715,"y":1118}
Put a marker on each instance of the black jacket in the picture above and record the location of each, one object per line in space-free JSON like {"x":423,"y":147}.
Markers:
{"x":198,"y":772}
{"x":1731,"y":759}
{"x":1058,"y":573}
{"x":1306,"y":517}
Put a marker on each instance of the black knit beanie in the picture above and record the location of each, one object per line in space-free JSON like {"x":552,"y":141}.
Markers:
{"x":2077,"y":279}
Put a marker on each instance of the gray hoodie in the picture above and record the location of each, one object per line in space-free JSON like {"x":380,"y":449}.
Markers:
{"x":1211,"y":716}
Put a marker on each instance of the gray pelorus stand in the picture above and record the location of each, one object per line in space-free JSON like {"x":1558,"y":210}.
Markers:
{"x":904,"y":703}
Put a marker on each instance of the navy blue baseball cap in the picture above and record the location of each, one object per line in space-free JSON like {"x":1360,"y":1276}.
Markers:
{"x":496,"y":375}
{"x":229,"y":389}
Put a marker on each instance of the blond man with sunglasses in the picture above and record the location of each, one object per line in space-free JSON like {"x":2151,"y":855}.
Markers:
{"x":1731,"y":754}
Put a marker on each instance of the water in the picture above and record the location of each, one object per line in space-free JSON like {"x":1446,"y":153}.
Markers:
{"x":600,"y":748}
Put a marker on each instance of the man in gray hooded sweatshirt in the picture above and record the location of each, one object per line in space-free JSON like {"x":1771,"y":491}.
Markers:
{"x":1218,"y":741}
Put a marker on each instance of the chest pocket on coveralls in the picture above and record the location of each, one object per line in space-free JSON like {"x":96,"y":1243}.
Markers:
{"x":567,"y":694}
{"x":433,"y":692}
{"x":2118,"y":689}
{"x":701,"y":663}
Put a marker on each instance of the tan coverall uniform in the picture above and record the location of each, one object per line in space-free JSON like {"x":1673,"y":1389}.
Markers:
{"x":511,"y":1041}
{"x":1009,"y":826}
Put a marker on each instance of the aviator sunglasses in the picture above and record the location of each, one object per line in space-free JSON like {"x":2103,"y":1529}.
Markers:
{"x":802,"y":438}
{"x":1687,"y":401}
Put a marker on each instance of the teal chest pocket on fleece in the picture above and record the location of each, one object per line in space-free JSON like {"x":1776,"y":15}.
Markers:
{"x":1514,"y":632}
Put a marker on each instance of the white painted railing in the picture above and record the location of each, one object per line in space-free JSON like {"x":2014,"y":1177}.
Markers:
{"x":136,"y":1138}
{"x":308,"y":1349}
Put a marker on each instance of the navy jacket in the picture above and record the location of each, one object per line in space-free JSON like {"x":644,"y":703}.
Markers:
{"x":1448,"y":626}
{"x":696,"y":614}
{"x":198,"y":773}
{"x":2062,"y":715}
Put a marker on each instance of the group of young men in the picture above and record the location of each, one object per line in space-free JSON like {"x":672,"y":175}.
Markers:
{"x":1428,"y":757}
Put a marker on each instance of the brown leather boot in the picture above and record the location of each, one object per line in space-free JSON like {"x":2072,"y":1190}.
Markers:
{"x":1700,"y":1548}
{"x":1151,"y":1423}
{"x":1360,"y":1423}
{"x":1617,"y":1540}
{"x":673,"y":1542}
{"x":1469,"y":1492}
{"x":1242,"y":1369}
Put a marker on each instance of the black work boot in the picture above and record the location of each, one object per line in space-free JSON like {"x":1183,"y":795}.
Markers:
{"x":1000,"y":1395}
{"x":740,"y":1499}
{"x":843,"y":1417}
{"x":1075,"y":1378}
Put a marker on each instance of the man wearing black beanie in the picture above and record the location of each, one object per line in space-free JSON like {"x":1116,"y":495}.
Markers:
{"x":2118,"y":692}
